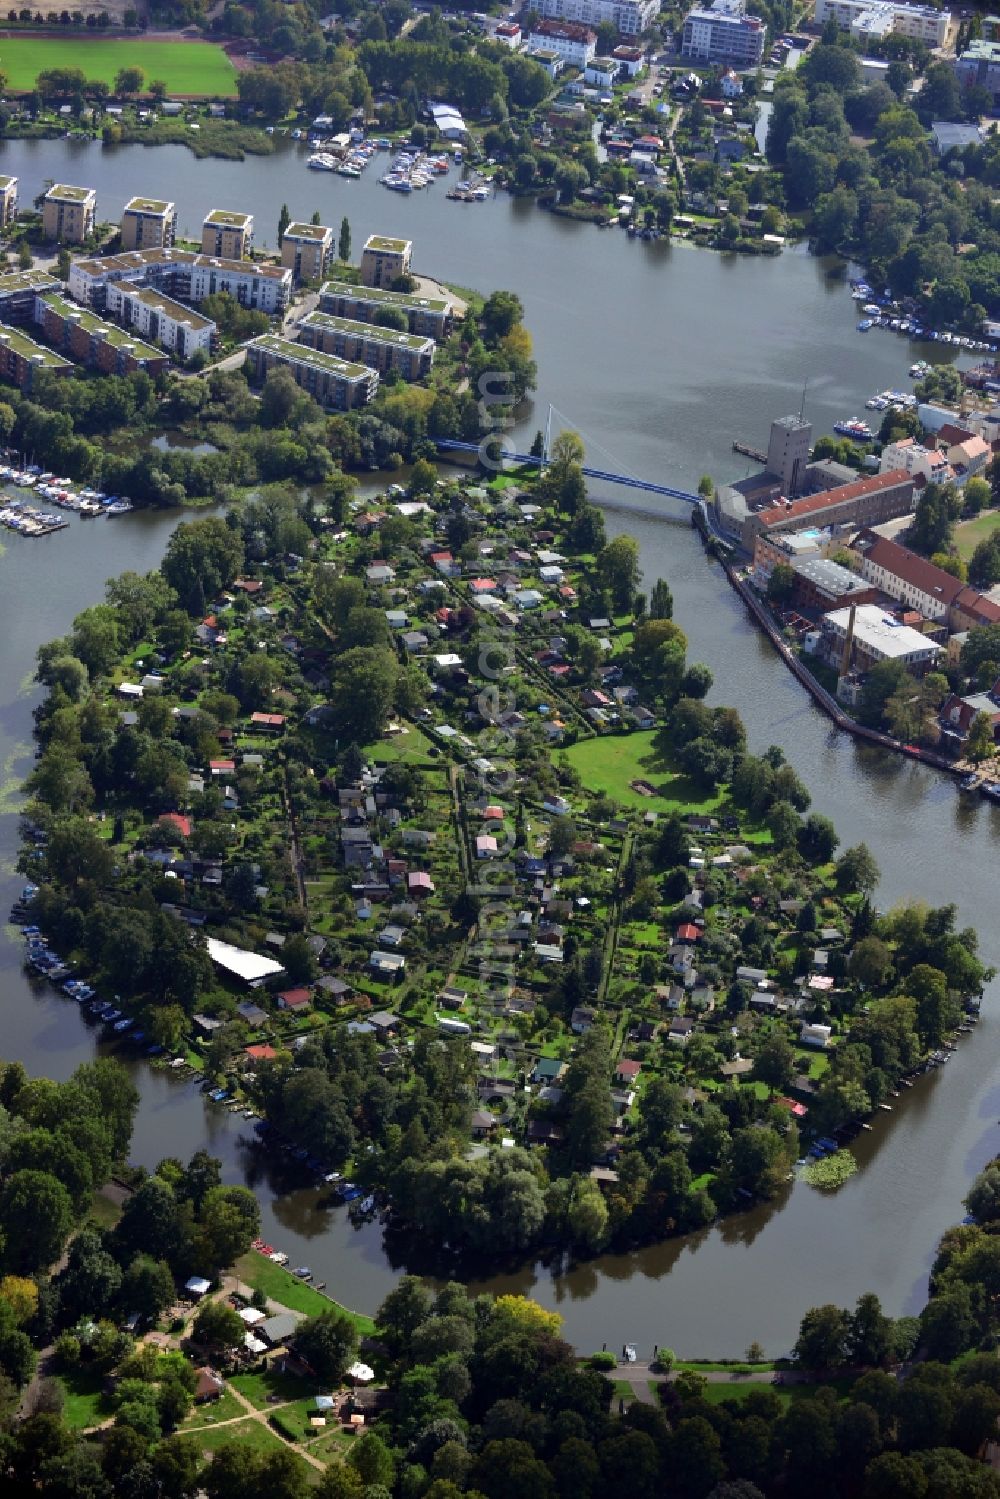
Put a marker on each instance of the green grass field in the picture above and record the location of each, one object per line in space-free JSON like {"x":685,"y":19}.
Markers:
{"x":970,"y":533}
{"x":611,"y":761}
{"x":200,"y":69}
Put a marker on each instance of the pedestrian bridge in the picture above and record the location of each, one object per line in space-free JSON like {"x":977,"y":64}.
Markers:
{"x":628,"y":480}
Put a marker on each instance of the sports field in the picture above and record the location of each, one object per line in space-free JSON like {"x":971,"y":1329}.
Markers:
{"x":191,"y":68}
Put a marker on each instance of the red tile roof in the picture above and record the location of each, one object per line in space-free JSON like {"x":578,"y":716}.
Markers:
{"x":294,"y":999}
{"x":261,"y":1053}
{"x":687,"y":932}
{"x":182,"y":824}
{"x":827,"y":497}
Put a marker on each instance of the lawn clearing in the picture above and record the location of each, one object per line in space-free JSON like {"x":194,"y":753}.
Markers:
{"x":197,"y":69}
{"x":85,"y":1405}
{"x":970,"y":533}
{"x":611,"y":762}
{"x":249,"y":1434}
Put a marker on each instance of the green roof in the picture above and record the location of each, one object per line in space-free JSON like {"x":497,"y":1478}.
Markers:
{"x":36,"y":280}
{"x":386,"y":246}
{"x":60,"y":192}
{"x":415,"y":341}
{"x":384,"y":297}
{"x":307,"y":231}
{"x":108,"y":332}
{"x":227,"y":218}
{"x":147,"y":205}
{"x":294,"y":353}
{"x":22,"y":344}
{"x":5,"y":183}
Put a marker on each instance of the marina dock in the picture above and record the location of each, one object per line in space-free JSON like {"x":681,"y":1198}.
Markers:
{"x":28,"y":520}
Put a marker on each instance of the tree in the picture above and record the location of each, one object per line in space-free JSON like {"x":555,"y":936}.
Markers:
{"x":327,"y":1343}
{"x":128,"y":81}
{"x":980,"y":744}
{"x":781,"y":584}
{"x":870,"y":963}
{"x":344,"y":241}
{"x":284,"y":219}
{"x":823,"y":1338}
{"x":618,"y":570}
{"x":36,"y":1212}
{"x":661,"y":600}
{"x":502,"y":312}
{"x":371,"y":1458}
{"x":147,"y":1287}
{"x":217,"y":1326}
{"x":817,"y":839}
{"x":774,"y":1062}
{"x":856,"y":871}
{"x":869,"y":1339}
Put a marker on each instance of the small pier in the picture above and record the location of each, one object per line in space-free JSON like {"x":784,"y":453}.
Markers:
{"x":749,"y":452}
{"x":28,"y":520}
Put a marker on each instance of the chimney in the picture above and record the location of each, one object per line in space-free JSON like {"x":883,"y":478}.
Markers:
{"x":845,"y":660}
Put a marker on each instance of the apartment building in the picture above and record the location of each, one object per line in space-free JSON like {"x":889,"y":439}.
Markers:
{"x":723,"y":33}
{"x":89,"y":340}
{"x":867,"y":502}
{"x":160,"y":319}
{"x":69,"y":213}
{"x":18,"y":290}
{"x":334,"y":383}
{"x":930,"y":464}
{"x":148,"y":224}
{"x":432,"y":316}
{"x":873,"y":20}
{"x":383,"y":349}
{"x":184,"y":274}
{"x":630,"y":17}
{"x":920,"y":585}
{"x":384,"y":259}
{"x":227,"y":234}
{"x":306,"y":250}
{"x":8,"y":201}
{"x":21,"y":357}
{"x":576,"y":44}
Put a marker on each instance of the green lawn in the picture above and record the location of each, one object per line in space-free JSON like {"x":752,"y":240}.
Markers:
{"x":971,"y":532}
{"x":84,"y":1399}
{"x":200,"y":69}
{"x":611,"y":761}
{"x":226,"y":1408}
{"x":258,"y":1386}
{"x":249,"y":1434}
{"x":264,"y":1275}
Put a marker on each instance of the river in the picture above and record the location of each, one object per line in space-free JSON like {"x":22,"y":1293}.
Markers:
{"x":659,"y":356}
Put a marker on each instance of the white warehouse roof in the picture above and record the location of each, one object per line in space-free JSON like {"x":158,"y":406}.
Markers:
{"x":251,"y":967}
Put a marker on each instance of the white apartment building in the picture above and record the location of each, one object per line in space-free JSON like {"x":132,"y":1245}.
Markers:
{"x":921,"y":462}
{"x":575,"y":44}
{"x":723,"y":34}
{"x":631,"y":17}
{"x":873,"y":19}
{"x":184,"y":274}
{"x":160,"y":319}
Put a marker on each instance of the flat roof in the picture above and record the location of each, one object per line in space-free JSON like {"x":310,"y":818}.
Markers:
{"x":32,"y":280}
{"x":874,"y":627}
{"x":414,"y":341}
{"x":308,"y":231}
{"x":249,"y":966}
{"x":13,"y":338}
{"x":61,"y":192}
{"x":284,"y":348}
{"x":6,"y":182}
{"x":109,"y":332}
{"x":228,"y":218}
{"x":179,"y":311}
{"x":147,"y":205}
{"x":134,"y":260}
{"x":385,"y":245}
{"x":386,"y":298}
